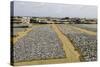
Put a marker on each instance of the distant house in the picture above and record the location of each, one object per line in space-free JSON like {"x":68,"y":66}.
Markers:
{"x":18,"y":19}
{"x":91,"y":21}
{"x":38,"y":20}
{"x":25,"y":19}
{"x":73,"y":20}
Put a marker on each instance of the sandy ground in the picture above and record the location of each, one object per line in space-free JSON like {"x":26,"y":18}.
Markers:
{"x":71,"y":54}
{"x":20,"y":35}
{"x":84,"y":30}
{"x":23,"y":33}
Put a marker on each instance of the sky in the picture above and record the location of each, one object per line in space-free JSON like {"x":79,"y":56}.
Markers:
{"x":42,"y":9}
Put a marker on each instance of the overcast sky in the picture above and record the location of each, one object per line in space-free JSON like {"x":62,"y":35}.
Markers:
{"x":22,"y":8}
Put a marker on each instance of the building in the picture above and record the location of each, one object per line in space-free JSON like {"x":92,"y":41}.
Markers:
{"x":18,"y":19}
{"x":25,"y":19}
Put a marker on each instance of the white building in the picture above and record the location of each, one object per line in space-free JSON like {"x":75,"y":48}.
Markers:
{"x":25,"y":20}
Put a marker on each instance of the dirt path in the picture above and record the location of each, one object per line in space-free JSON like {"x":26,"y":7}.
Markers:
{"x":20,"y":35}
{"x":71,"y":54}
{"x":84,"y":30}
